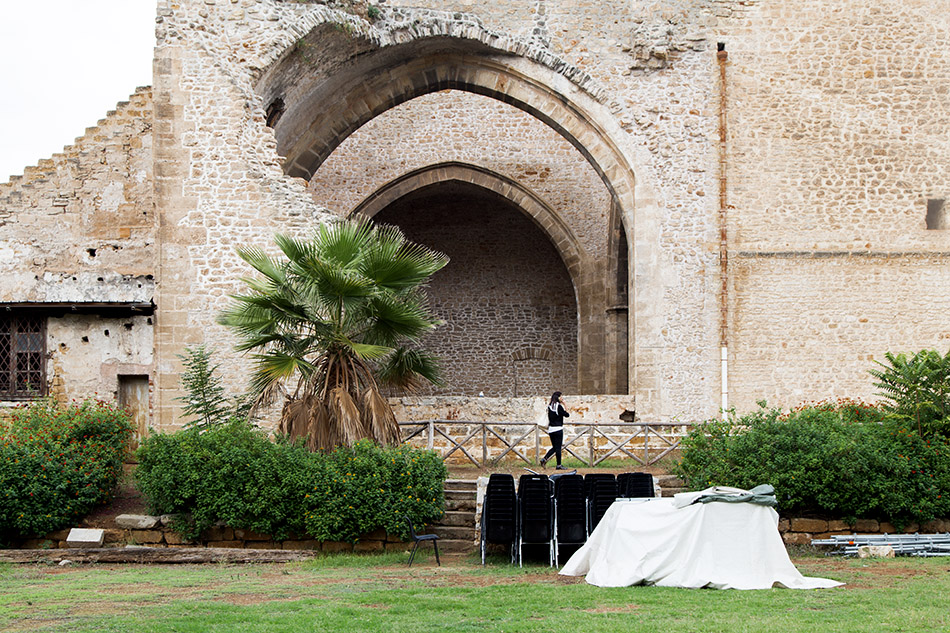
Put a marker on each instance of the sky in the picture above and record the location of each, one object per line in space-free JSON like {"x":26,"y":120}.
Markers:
{"x":63,"y":65}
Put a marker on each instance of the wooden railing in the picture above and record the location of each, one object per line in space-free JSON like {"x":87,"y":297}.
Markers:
{"x":590,"y":443}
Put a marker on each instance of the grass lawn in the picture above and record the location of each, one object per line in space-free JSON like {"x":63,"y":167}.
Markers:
{"x":378,"y":593}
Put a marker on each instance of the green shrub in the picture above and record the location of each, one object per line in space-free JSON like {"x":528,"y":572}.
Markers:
{"x":367,"y":487}
{"x":57,"y":462}
{"x":841,"y":459}
{"x":234,"y":474}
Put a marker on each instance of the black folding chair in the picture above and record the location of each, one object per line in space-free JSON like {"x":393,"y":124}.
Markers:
{"x":570,"y":514}
{"x":499,"y":514}
{"x":635,"y":485}
{"x":601,"y":493}
{"x":419,"y":538}
{"x":535,"y":514}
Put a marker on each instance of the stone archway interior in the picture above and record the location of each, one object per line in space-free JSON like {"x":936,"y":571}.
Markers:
{"x":506,"y":297}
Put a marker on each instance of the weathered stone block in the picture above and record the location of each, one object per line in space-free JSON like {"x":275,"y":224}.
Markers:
{"x":301,"y":544}
{"x":808,"y":525}
{"x":368,"y":546}
{"x":86,"y":537}
{"x":262,"y":545}
{"x":146,"y":536}
{"x":137,"y":521}
{"x":796,"y":538}
{"x":332,"y":547}
{"x":229,"y":543}
{"x":875,"y":551}
{"x":117,"y":536}
{"x":867,"y":526}
{"x":839,"y":526}
{"x":174,"y":538}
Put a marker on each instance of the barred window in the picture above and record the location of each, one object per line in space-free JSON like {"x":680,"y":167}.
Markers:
{"x":22,"y":357}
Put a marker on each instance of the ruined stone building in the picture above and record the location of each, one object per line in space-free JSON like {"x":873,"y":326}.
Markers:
{"x":693,"y":203}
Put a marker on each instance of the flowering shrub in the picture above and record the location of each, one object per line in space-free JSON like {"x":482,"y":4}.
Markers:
{"x":57,"y":462}
{"x":843,"y":459}
{"x":233,"y":473}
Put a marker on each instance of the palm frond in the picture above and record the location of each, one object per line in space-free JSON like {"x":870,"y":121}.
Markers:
{"x":406,"y":369}
{"x":342,"y":243}
{"x":378,"y":416}
{"x":345,"y":414}
{"x":262,"y":263}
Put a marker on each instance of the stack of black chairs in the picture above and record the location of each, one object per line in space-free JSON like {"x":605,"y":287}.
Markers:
{"x":560,"y":510}
{"x":570,"y":514}
{"x":500,"y":514}
{"x":535,"y":514}
{"x":601,"y":492}
{"x":635,"y":485}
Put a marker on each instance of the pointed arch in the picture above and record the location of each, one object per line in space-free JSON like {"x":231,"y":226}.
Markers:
{"x":564,"y":240}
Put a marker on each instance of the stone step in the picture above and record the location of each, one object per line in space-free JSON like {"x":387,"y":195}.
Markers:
{"x":453,"y":532}
{"x":460,"y":495}
{"x":670,"y":481}
{"x":460,"y":504}
{"x":461,"y":484}
{"x":456,"y":518}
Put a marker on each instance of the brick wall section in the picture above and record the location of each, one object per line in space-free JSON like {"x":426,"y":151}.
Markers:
{"x":81,"y":227}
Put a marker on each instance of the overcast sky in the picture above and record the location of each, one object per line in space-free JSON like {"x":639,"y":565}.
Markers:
{"x":65,"y":63}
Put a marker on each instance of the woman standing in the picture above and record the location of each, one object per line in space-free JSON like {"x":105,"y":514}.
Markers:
{"x":556,"y":415}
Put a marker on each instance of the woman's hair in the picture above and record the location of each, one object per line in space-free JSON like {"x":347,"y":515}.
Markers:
{"x":554,"y":397}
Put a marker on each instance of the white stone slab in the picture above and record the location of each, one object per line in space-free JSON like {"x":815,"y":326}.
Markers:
{"x":85,"y":537}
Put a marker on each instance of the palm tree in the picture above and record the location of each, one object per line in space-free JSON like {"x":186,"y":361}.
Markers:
{"x":334,"y":320}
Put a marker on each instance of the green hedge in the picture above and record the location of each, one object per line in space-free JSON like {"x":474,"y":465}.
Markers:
{"x":57,"y":462}
{"x":840,"y":459}
{"x":234,"y":474}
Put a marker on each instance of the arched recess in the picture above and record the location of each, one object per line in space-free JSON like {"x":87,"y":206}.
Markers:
{"x":553,"y":229}
{"x":506,"y":289}
{"x":323,"y":105}
{"x":530,"y":204}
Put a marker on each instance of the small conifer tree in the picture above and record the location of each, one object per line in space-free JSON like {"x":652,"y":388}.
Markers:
{"x":205,"y":400}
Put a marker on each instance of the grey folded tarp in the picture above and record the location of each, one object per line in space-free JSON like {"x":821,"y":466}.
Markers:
{"x":763,"y":495}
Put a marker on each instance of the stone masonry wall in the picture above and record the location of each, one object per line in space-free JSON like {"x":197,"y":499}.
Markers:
{"x":836,"y":114}
{"x":837,"y":118}
{"x":80,"y":227}
{"x":460,"y":126}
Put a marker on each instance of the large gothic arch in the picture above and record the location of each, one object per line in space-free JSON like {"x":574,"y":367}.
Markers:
{"x":322,"y":108}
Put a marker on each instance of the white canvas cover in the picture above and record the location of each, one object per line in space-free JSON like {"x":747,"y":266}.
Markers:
{"x":716,"y":545}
